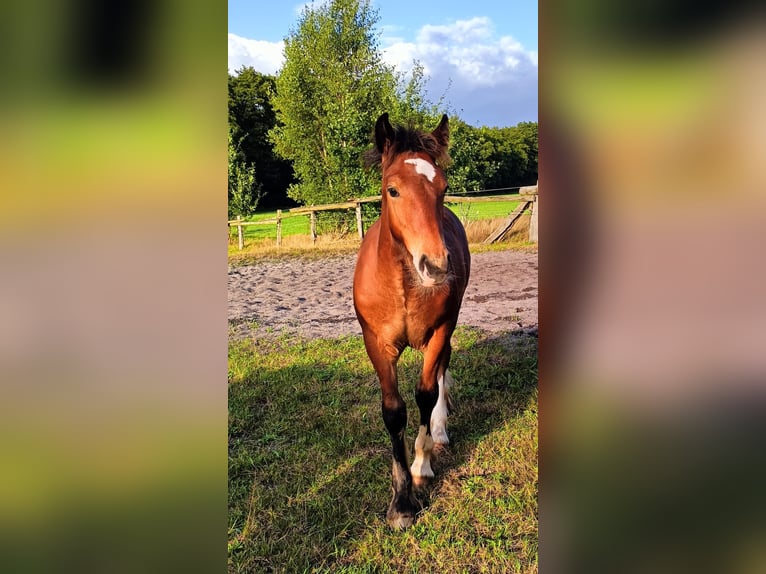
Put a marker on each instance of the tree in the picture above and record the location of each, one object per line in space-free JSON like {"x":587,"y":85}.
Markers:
{"x":527,"y":137}
{"x":244,"y":190}
{"x":516,"y":154}
{"x":251,"y":116}
{"x":411,"y":107}
{"x":492,"y":158}
{"x":473,"y":157}
{"x":332,"y":87}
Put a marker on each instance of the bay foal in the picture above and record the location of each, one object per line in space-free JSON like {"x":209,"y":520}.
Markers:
{"x":411,"y":273}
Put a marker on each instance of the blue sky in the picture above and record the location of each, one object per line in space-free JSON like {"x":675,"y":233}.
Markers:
{"x":480,"y":55}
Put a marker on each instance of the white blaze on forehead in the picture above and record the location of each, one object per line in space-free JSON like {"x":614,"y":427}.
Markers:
{"x":423,"y":167}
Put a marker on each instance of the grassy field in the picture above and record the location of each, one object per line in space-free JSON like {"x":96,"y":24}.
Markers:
{"x":299,"y":225}
{"x":260,"y":241}
{"x":309,"y":460}
{"x":488,"y":210}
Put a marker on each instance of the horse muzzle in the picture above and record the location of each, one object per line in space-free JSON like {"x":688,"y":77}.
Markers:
{"x":432,"y":270}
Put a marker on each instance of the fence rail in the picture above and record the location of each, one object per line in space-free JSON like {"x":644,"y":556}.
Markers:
{"x":527,"y":195}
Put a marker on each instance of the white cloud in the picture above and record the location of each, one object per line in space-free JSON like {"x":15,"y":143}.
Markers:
{"x":463,"y":31}
{"x":265,"y":57}
{"x":488,"y":80}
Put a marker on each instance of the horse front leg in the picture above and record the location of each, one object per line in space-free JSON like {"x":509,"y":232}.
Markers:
{"x":432,"y":396}
{"x":403,"y":506}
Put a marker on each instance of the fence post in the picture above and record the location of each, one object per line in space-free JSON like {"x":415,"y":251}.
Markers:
{"x":359,"y":224}
{"x":313,"y":227}
{"x":533,"y":221}
{"x":240,"y":240}
{"x":279,"y":227}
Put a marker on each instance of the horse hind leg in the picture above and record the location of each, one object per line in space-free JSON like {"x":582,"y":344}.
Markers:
{"x":425,"y":442}
{"x":442,"y":410}
{"x":421,"y":467}
{"x":432,"y":396}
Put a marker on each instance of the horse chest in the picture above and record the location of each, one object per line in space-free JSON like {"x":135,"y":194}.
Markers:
{"x":421,"y":316}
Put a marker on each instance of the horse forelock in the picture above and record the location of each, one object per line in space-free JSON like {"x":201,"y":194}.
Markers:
{"x":407,"y":139}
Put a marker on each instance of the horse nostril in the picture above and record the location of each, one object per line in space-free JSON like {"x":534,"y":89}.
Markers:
{"x":431,"y":269}
{"x":423,"y":264}
{"x":441,"y":267}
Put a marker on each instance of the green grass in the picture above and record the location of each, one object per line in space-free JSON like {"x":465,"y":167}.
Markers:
{"x":488,"y":210}
{"x":294,"y":225}
{"x":309,"y":460}
{"x":299,"y":224}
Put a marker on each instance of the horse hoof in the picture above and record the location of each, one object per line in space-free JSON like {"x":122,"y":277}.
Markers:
{"x":440,"y":437}
{"x":400,"y":520}
{"x":401,"y":512}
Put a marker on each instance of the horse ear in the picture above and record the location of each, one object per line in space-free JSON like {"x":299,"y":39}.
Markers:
{"x":441,"y":133}
{"x":383,"y":132}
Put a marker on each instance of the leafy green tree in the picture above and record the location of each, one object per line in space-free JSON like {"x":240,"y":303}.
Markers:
{"x":411,"y":106}
{"x":330,"y":91}
{"x":527,"y":137}
{"x":490,"y":157}
{"x":516,"y":155}
{"x":244,"y":190}
{"x":251,"y":116}
{"x":473,"y":157}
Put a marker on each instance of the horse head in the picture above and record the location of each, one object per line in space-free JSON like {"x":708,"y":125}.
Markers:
{"x":413,"y":188}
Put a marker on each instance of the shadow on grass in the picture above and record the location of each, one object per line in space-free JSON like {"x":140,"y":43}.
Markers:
{"x":309,"y":457}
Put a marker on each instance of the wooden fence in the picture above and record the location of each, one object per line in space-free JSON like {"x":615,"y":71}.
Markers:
{"x":527,"y":195}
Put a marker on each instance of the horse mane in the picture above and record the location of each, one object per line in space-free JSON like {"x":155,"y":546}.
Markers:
{"x":407,"y":139}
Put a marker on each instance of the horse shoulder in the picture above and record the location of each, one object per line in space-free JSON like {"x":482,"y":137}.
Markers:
{"x":455,"y":229}
{"x":366,"y":261}
{"x":373,"y":285}
{"x":457,"y":242}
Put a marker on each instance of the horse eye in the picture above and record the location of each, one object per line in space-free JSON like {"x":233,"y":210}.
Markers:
{"x":392,"y":192}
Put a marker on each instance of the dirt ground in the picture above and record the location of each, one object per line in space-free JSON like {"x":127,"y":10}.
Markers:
{"x":313,"y":299}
